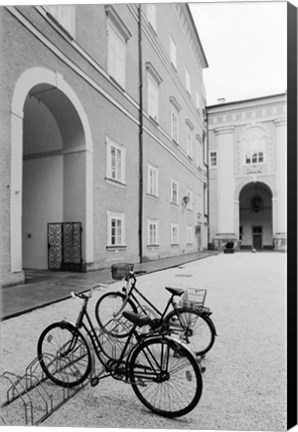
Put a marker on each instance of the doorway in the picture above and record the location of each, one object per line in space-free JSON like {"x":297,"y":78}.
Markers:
{"x":257,"y":237}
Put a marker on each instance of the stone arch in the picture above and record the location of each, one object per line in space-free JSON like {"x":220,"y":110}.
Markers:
{"x":29,"y":79}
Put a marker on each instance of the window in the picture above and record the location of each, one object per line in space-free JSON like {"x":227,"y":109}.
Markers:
{"x":199,"y":151}
{"x":173,"y":52}
{"x":115,"y":161}
{"x":152,"y":232}
{"x":151,"y":14}
{"x":205,"y":200}
{"x":187,"y":80}
{"x":116,"y":229}
{"x":189,"y":194}
{"x":174,"y":123}
{"x":174,"y":234}
{"x":118,"y":34}
{"x":189,"y":234}
{"x":189,"y":143}
{"x":254,"y":158}
{"x":65,"y":16}
{"x":213,"y":158}
{"x":198,"y":105}
{"x":153,"y":83}
{"x":152,"y":188}
{"x":174,"y":192}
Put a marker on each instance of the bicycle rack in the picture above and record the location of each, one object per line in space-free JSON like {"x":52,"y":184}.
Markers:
{"x":31,"y":398}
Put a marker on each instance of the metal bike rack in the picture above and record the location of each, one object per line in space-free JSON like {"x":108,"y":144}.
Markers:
{"x":31,"y":398}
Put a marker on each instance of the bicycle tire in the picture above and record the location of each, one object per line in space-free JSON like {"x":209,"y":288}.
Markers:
{"x":109,"y":304}
{"x":178,"y":388}
{"x":198,"y":331}
{"x":64,"y":354}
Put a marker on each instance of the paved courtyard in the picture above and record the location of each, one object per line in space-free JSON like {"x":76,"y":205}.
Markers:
{"x":245,"y":378}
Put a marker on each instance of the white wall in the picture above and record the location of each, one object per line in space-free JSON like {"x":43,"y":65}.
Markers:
{"x":42,"y":203}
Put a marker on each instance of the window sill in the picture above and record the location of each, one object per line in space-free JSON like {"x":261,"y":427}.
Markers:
{"x":175,"y":142}
{"x":174,"y":204}
{"x":152,"y":196}
{"x":115,"y":182}
{"x":114,"y":248}
{"x":174,"y":245}
{"x":153,"y":246}
{"x":153,"y":120}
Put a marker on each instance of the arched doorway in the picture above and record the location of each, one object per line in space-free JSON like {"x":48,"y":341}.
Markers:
{"x":255,"y":219}
{"x":51,"y":167}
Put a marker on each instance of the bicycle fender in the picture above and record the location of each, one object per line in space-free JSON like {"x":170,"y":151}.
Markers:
{"x":92,"y":372}
{"x":212,"y":325}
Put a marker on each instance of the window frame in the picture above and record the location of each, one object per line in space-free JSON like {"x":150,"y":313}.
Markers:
{"x":152,"y":186}
{"x":109,"y":169}
{"x":173,"y":52}
{"x":116,"y":29}
{"x":187,"y":81}
{"x":189,"y":193}
{"x":150,"y":240}
{"x":211,"y":158}
{"x":173,"y":181}
{"x":189,"y":235}
{"x":117,"y":217}
{"x":151,"y":15}
{"x":189,"y":142}
{"x":174,"y":241}
{"x":153,"y":89}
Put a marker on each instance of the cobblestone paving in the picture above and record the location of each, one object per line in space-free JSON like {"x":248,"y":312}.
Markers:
{"x":245,"y":378}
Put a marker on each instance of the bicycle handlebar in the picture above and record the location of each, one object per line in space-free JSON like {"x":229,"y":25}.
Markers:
{"x":88,"y":294}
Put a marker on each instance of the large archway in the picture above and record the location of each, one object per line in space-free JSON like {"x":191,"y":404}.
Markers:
{"x":51,"y":167}
{"x":255,"y":218}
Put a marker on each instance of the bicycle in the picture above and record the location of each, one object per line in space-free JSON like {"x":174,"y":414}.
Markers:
{"x":190,"y":321}
{"x":163,"y":372}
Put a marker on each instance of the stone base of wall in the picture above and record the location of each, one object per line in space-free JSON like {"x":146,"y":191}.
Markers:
{"x":12,"y":278}
{"x":280,"y":242}
{"x":220,"y":240}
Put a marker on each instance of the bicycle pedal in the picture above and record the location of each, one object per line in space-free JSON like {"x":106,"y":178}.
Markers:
{"x":94,"y":381}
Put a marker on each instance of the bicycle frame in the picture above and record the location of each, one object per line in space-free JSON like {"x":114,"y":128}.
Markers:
{"x":98,"y":349}
{"x":129,"y":294}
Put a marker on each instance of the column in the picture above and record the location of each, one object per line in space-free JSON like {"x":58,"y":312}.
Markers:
{"x":225,"y":185}
{"x":281,"y":183}
{"x":16,"y":187}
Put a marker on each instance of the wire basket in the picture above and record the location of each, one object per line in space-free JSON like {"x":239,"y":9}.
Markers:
{"x":121,"y":270}
{"x":194,"y":297}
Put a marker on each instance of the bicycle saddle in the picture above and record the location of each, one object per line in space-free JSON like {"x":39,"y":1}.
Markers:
{"x":137,"y":318}
{"x":175,"y":291}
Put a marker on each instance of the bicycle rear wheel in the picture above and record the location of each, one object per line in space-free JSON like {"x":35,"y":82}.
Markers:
{"x":108,"y":312}
{"x":64,"y":354}
{"x":165,"y":376}
{"x":193,"y":328}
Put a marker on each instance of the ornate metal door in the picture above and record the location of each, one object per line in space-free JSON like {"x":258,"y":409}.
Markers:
{"x":64,"y":246}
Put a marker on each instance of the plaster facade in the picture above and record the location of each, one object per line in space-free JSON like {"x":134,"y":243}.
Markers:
{"x":62,"y":106}
{"x":247,"y":173}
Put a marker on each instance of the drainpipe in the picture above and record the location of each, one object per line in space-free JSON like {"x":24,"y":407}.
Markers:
{"x":140,"y":137}
{"x":208,"y":181}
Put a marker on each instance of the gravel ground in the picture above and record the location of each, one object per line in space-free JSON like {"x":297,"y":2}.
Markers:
{"x":245,"y":378}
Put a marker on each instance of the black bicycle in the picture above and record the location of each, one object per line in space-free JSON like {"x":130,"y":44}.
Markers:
{"x":164,"y":374}
{"x":190,"y":320}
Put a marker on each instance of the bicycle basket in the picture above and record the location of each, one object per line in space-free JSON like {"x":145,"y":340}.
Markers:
{"x":121,"y":270}
{"x":194,"y":297}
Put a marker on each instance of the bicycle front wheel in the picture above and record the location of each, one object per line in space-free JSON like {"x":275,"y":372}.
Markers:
{"x":192,"y":328}
{"x":64,"y":354}
{"x":165,"y":376}
{"x":108,"y":312}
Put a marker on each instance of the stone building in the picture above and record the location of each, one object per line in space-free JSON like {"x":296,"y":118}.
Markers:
{"x":103,"y":136}
{"x":247,"y":173}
